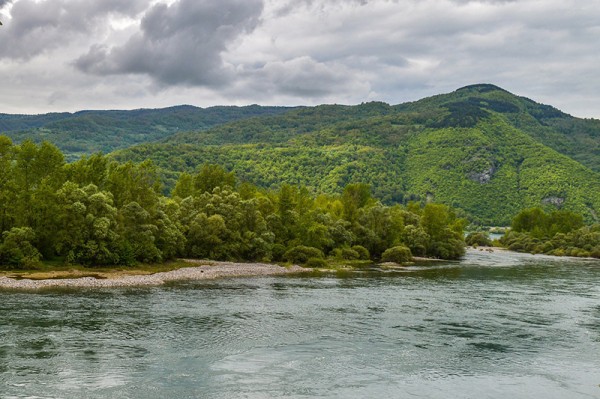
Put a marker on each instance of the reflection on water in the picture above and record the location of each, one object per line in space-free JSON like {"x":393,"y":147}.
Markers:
{"x":494,"y":325}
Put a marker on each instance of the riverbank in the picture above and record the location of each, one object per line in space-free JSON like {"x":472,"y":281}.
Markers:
{"x":203,"y":271}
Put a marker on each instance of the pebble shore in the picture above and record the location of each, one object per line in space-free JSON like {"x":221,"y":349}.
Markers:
{"x":212,"y":271}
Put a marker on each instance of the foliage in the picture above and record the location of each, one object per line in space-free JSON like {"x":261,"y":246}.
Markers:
{"x":397,"y":254}
{"x":316,"y":263}
{"x":363,"y":253}
{"x":345,"y":254}
{"x":556,"y":233}
{"x":479,"y":238}
{"x":541,"y":224}
{"x":302,"y":254}
{"x":97,"y":211}
{"x":480,"y":149}
{"x":85,"y":132}
{"x":16,"y":249}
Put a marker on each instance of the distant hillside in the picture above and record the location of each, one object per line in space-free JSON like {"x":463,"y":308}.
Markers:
{"x":86,"y":132}
{"x":480,"y":148}
{"x":577,"y":138}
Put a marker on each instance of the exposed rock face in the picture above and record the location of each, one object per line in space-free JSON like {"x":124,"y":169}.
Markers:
{"x":556,"y":201}
{"x":483,"y":177}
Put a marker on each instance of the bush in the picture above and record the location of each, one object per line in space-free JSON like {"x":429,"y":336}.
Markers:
{"x":363,"y":253}
{"x":345,"y":254}
{"x":478,"y":239}
{"x":397,"y":254}
{"x":16,"y":249}
{"x":301,"y":254}
{"x":316,"y":263}
{"x":277,"y":252}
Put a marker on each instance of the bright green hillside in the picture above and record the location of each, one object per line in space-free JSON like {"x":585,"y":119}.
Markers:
{"x":480,"y":149}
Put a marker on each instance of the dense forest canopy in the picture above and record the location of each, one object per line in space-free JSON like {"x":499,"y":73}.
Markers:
{"x":97,"y":211}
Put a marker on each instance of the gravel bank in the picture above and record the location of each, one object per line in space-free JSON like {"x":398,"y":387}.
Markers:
{"x":212,"y":271}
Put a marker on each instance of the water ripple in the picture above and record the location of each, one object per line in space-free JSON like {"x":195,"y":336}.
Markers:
{"x":493,"y":326}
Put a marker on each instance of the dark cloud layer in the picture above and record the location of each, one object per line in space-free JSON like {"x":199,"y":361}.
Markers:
{"x":179,"y":44}
{"x":38,"y":27}
{"x":77,"y":54}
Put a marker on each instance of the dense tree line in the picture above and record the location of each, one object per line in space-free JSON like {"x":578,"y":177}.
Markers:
{"x":559,"y":233}
{"x":97,"y":211}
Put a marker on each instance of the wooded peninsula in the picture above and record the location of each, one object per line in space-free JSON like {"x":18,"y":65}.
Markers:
{"x":97,"y":211}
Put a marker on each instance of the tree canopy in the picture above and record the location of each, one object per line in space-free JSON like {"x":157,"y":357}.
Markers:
{"x":97,"y":211}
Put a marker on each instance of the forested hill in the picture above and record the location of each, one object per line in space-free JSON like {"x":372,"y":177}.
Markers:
{"x":480,"y":148}
{"x":575,"y":137}
{"x":86,"y":132}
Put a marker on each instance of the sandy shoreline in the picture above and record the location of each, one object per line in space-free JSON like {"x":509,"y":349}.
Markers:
{"x":203,"y":272}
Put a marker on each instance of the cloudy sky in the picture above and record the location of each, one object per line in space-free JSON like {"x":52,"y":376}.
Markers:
{"x":67,"y":55}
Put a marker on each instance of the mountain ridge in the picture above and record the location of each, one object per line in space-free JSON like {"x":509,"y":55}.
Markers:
{"x":88,"y":131}
{"x":479,"y":148}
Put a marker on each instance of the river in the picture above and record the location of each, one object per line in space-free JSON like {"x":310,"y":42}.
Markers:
{"x":494,"y":325}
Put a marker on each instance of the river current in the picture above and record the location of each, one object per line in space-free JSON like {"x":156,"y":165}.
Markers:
{"x":494,"y":325}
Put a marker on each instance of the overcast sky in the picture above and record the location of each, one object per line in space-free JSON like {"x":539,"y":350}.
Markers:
{"x":68,"y":55}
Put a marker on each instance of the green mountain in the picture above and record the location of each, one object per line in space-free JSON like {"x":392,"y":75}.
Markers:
{"x":480,"y":148}
{"x":86,"y":132}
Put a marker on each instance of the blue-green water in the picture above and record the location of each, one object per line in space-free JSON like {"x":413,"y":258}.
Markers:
{"x":491,"y":326}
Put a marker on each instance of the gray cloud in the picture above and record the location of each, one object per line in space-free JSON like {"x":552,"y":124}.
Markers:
{"x":39,"y":27}
{"x":302,"y":77}
{"x":127,"y":54}
{"x":178,"y":44}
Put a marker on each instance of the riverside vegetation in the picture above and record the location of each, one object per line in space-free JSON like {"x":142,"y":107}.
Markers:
{"x":97,"y":211}
{"x":560,"y":233}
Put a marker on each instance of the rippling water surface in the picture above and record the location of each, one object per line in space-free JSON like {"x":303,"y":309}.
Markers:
{"x":491,"y":326}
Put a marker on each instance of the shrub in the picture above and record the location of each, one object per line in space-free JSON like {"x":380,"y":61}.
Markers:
{"x":345,"y":254}
{"x":301,"y":254}
{"x":363,"y":253}
{"x":397,"y":254}
{"x":478,"y":239}
{"x":277,"y":252}
{"x":16,"y":249}
{"x":316,"y":263}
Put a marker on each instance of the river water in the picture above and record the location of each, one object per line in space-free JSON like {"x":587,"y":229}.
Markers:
{"x":494,"y":325}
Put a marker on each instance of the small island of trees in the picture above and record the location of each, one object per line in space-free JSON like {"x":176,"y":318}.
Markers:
{"x":97,"y":211}
{"x":560,"y":233}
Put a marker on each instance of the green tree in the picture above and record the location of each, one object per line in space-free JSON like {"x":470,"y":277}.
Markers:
{"x":355,"y":197}
{"x":86,"y":226}
{"x":8,"y":189}
{"x":138,"y":234}
{"x":17,"y":250}
{"x":211,"y":176}
{"x":184,"y":187}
